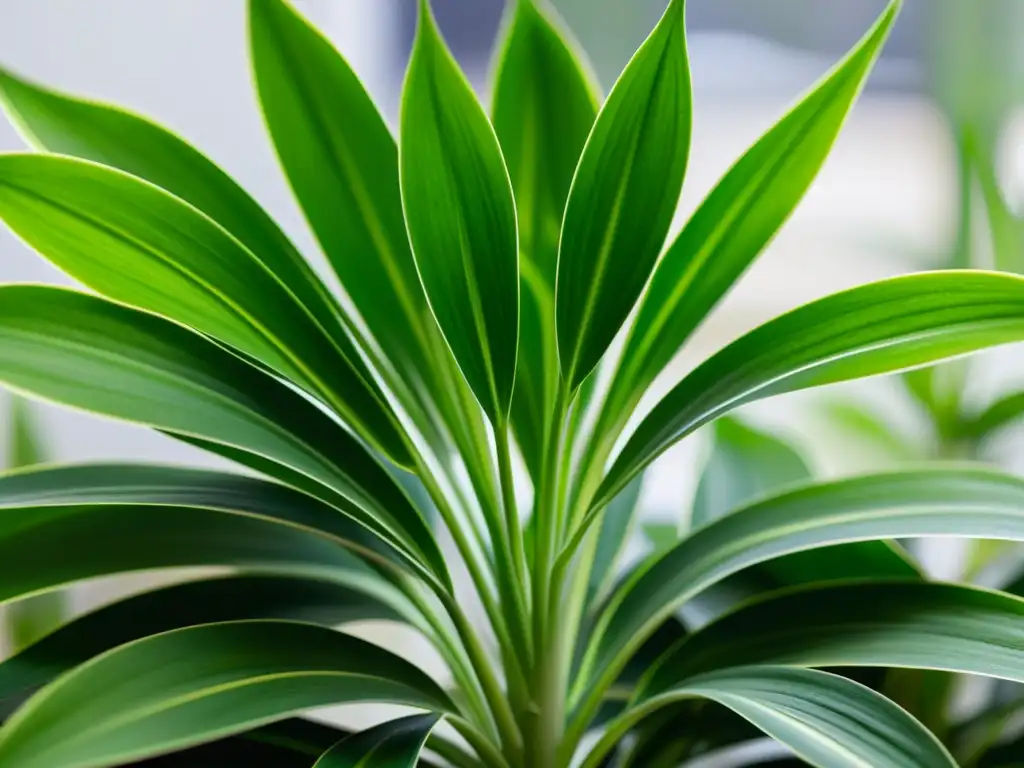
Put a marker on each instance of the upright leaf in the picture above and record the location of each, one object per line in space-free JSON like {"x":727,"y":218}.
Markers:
{"x":115,"y":137}
{"x":877,"y":328}
{"x":98,"y":356}
{"x":342,"y":164}
{"x":191,"y":685}
{"x":544,"y":107}
{"x":738,"y":218}
{"x":623,"y":197}
{"x":461,"y":218}
{"x":395,"y":744}
{"x":138,"y":244}
{"x":29,"y":619}
{"x":616,"y":527}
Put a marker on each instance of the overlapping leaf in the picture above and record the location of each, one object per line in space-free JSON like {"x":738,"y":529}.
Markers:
{"x":183,"y":687}
{"x":623,"y":197}
{"x":872,"y":329}
{"x":91,"y":354}
{"x":395,"y":744}
{"x":737,"y":220}
{"x":461,"y":218}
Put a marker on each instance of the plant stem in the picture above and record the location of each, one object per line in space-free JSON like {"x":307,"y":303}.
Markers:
{"x":508,"y":729}
{"x":503,"y":438}
{"x":485,"y":750}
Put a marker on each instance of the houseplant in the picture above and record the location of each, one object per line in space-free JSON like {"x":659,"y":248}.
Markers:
{"x":486,"y":272}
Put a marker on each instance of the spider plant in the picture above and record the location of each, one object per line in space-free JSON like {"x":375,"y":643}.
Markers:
{"x":487,"y":265}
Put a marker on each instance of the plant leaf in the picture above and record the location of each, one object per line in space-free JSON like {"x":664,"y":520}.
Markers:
{"x":614,"y":534}
{"x":827,"y":720}
{"x":623,"y":197}
{"x":342,"y":164}
{"x":877,"y":328}
{"x":226,"y":598}
{"x":69,"y":347}
{"x":115,"y":137}
{"x":136,"y":243}
{"x":191,"y":685}
{"x":999,"y":415}
{"x":738,"y":218}
{"x":545,"y":103}
{"x":395,"y":744}
{"x":939,"y":501}
{"x":914,"y":625}
{"x":461,"y":218}
{"x":30,"y":619}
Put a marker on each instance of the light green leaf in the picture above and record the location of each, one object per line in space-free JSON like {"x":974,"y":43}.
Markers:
{"x":118,"y":138}
{"x":461,"y":218}
{"x":738,"y":218}
{"x":226,"y":598}
{"x":623,"y":197}
{"x":91,"y":354}
{"x":191,"y":685}
{"x":876,"y":432}
{"x":744,"y":463}
{"x":877,"y":328}
{"x":1001,"y":414}
{"x":913,"y":625}
{"x":342,"y":164}
{"x":29,"y":619}
{"x":135,"y":243}
{"x":395,"y":744}
{"x":940,"y":501}
{"x":827,"y":720}
{"x":616,"y":529}
{"x":545,"y":103}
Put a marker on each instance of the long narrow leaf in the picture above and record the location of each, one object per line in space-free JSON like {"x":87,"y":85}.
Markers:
{"x":623,"y":197}
{"x":191,"y":685}
{"x":461,"y":218}
{"x":395,"y":744}
{"x":872,"y":329}
{"x":91,"y":354}
{"x":940,"y":501}
{"x":738,"y":218}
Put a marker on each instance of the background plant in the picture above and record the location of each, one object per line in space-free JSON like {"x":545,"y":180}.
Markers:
{"x":488,"y":265}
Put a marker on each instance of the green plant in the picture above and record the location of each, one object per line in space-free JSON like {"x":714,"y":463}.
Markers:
{"x":486,"y":273}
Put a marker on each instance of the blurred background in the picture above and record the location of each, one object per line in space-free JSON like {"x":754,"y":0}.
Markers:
{"x":897,"y":195}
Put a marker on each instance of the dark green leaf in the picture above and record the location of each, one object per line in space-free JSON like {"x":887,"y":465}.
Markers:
{"x":738,"y":218}
{"x":829,"y":721}
{"x":29,"y":619}
{"x":396,"y":744}
{"x":227,"y":598}
{"x":191,"y":685}
{"x":137,"y":244}
{"x":623,"y":197}
{"x":874,"y":624}
{"x":117,"y":138}
{"x":886,"y":326}
{"x":461,"y":218}
{"x":616,"y":528}
{"x":940,"y":501}
{"x":91,"y":354}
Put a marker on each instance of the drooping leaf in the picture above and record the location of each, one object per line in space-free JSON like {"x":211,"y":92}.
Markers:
{"x":827,"y":720}
{"x":544,"y":107}
{"x":91,"y":354}
{"x":461,"y":218}
{"x":137,"y":244}
{"x":872,"y":329}
{"x":395,"y":744}
{"x":190,"y":685}
{"x":874,"y":624}
{"x":226,"y":598}
{"x":30,"y":619}
{"x":115,"y":137}
{"x":940,"y":501}
{"x":623,"y":197}
{"x":738,"y":218}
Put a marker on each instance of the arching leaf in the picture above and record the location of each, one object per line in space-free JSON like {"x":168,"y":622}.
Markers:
{"x":395,"y":744}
